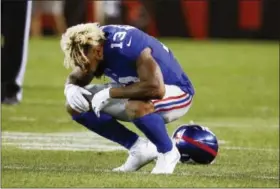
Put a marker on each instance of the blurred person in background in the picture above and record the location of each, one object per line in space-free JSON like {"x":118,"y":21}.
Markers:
{"x":136,"y":14}
{"x":53,"y":8}
{"x":112,"y":11}
{"x":108,"y":12}
{"x":15,"y":25}
{"x":75,"y":12}
{"x":122,"y":12}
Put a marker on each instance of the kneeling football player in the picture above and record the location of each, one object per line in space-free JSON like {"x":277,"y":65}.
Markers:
{"x":150,"y":89}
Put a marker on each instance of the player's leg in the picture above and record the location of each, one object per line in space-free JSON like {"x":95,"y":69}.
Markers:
{"x":115,"y":107}
{"x":142,"y":151}
{"x":15,"y":31}
{"x":150,"y":118}
{"x":105,"y":126}
{"x":141,"y":114}
{"x":109,"y":128}
{"x":137,"y":111}
{"x":152,"y":125}
{"x":174,"y":105}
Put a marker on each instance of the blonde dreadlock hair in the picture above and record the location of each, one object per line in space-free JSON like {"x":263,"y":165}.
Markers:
{"x":75,"y":39}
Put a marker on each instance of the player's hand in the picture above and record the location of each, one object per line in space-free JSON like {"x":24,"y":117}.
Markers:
{"x":75,"y":98}
{"x":100,"y":100}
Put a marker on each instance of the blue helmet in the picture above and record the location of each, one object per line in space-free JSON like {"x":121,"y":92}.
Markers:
{"x":196,"y":143}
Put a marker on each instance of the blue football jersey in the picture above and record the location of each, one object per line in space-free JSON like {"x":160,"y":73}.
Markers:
{"x":124,"y":45}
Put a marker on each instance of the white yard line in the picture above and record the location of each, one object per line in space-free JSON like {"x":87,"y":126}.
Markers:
{"x":226,"y":124}
{"x":33,"y":119}
{"x":80,"y":141}
{"x":85,"y":147}
{"x":210,"y":124}
{"x":44,"y":102}
{"x":22,"y":119}
{"x":225,"y":175}
{"x":250,"y":148}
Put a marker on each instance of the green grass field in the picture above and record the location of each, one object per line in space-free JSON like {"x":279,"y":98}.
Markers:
{"x":237,"y":97}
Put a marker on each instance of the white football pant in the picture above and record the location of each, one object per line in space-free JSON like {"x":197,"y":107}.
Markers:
{"x":174,"y":104}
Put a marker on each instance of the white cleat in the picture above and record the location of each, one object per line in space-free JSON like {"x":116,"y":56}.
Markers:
{"x":167,"y":162}
{"x":140,"y":154}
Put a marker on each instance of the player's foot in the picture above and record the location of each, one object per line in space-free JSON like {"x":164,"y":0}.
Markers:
{"x":140,"y":154}
{"x":166,"y":162}
{"x":10,"y":100}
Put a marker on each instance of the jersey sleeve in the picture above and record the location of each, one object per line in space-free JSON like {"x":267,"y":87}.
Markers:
{"x":134,"y":44}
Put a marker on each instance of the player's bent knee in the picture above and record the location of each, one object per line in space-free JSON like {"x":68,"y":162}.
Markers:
{"x":136,"y":109}
{"x":70,"y":111}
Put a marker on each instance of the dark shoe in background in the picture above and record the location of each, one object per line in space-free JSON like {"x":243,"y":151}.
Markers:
{"x":9,"y":93}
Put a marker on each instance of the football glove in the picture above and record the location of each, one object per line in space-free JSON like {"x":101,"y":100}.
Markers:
{"x":76,"y":100}
{"x":100,"y":100}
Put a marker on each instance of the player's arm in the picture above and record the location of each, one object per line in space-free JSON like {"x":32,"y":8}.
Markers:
{"x":79,"y":78}
{"x":151,"y":85}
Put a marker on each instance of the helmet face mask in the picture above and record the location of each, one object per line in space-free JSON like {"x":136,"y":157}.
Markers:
{"x":196,"y":144}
